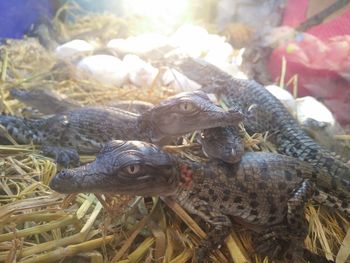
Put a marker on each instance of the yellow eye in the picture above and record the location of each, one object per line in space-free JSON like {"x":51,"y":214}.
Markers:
{"x":132,"y":169}
{"x":186,"y":106}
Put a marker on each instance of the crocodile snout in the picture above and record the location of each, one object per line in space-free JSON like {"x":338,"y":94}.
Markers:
{"x":62,"y":181}
{"x":236,"y":116}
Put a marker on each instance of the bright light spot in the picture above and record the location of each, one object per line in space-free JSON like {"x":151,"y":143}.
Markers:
{"x":239,"y":59}
{"x":191,"y":39}
{"x":167,"y":13}
{"x":156,"y":8}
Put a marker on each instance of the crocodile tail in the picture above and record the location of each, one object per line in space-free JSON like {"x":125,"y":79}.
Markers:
{"x":22,"y":130}
{"x":295,"y":143}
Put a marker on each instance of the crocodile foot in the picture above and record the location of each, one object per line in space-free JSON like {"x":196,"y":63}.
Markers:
{"x":63,"y":156}
{"x":270,"y":245}
{"x":277,"y":244}
{"x":314,"y":258}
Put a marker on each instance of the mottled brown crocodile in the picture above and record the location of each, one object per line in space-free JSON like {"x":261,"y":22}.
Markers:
{"x":86,"y":129}
{"x":263,"y":113}
{"x":265,"y":192}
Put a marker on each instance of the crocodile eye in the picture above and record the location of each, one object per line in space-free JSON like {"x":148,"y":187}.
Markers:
{"x":132,"y":169}
{"x":186,"y":107}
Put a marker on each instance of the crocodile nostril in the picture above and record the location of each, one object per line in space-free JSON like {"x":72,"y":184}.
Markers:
{"x":64,"y":174}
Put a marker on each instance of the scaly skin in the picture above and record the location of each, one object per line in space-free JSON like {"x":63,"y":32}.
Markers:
{"x":48,"y":101}
{"x":266,"y":192}
{"x":263,"y":113}
{"x":86,"y":129}
{"x":45,"y":100}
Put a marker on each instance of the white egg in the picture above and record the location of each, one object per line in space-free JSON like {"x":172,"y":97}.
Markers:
{"x":138,"y":44}
{"x":178,"y":82}
{"x":310,"y":108}
{"x":104,"y":68}
{"x":283,"y":96}
{"x":72,"y":48}
{"x":140,"y":73}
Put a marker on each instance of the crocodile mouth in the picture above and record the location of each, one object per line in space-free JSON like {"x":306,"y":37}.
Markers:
{"x":146,"y":185}
{"x":205,"y":120}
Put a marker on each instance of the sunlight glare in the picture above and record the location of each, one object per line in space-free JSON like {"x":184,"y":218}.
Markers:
{"x":156,"y":8}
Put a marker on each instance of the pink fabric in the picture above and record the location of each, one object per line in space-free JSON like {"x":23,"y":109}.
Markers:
{"x":321,"y":59}
{"x":294,"y":13}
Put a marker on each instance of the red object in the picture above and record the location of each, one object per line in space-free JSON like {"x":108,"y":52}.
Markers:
{"x":186,"y":176}
{"x":320,"y":58}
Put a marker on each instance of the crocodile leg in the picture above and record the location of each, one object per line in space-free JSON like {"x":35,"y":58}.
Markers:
{"x":296,"y":205}
{"x":214,"y":239}
{"x":288,"y":238}
{"x":296,"y":221}
{"x":220,"y":222}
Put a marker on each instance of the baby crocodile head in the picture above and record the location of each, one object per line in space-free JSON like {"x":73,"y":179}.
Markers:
{"x":122,"y":167}
{"x":185,"y":113}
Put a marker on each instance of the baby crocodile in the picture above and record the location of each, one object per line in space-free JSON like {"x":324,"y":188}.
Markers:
{"x":86,"y":129}
{"x":266,"y":192}
{"x":47,"y":101}
{"x":50,"y":102}
{"x":263,"y":113}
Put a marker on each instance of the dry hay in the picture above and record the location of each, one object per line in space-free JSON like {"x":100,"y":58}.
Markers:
{"x":39,"y":225}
